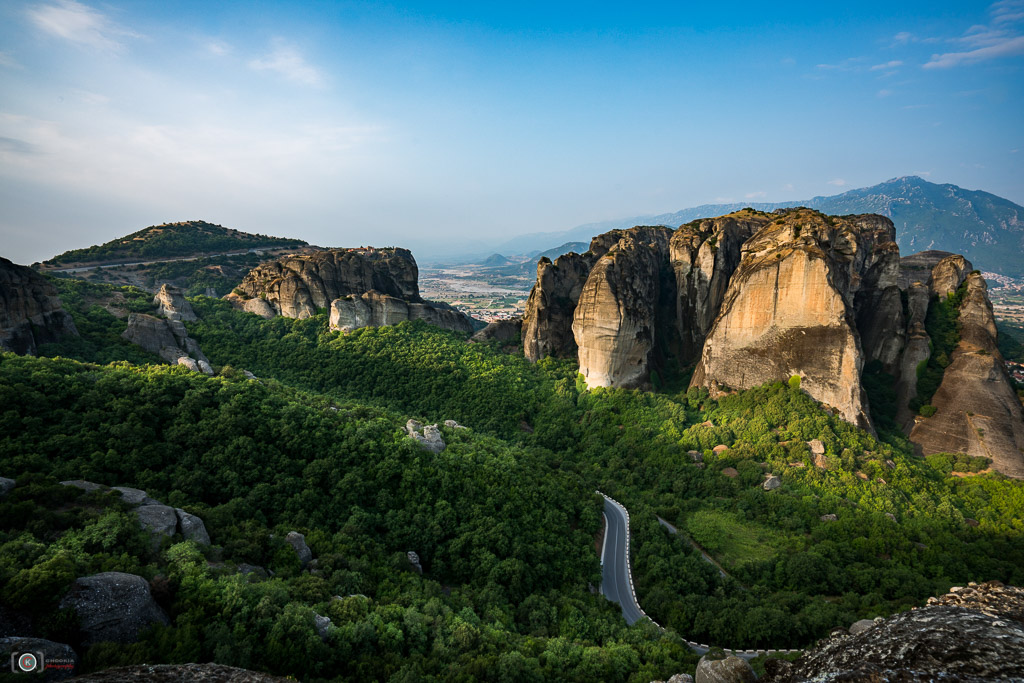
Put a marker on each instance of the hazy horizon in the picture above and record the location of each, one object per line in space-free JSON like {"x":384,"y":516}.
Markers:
{"x":421,"y":125}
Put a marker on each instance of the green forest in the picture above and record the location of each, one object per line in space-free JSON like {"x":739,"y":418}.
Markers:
{"x":172,"y":240}
{"x":505,"y":520}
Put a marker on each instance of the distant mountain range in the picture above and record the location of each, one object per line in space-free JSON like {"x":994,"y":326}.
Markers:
{"x":987,"y":229}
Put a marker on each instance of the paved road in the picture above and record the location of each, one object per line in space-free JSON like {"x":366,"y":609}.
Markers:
{"x":615,"y":575}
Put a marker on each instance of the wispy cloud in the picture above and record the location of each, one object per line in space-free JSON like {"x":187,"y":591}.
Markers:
{"x":79,"y":24}
{"x":838,"y":182}
{"x":1001,"y":37}
{"x":850,"y":64}
{"x":287,"y":61}
{"x":888,"y":65}
{"x":884,"y":92}
{"x":8,"y":61}
{"x":760,"y":194}
{"x":216,"y":47}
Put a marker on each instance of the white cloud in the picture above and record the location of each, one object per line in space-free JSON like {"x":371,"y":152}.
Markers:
{"x":215,"y":47}
{"x":756,"y":195}
{"x":788,"y":187}
{"x":903,"y":37}
{"x":888,"y":65}
{"x":80,"y":24}
{"x":287,"y":61}
{"x":838,"y":182}
{"x":884,"y":92}
{"x":1001,"y":37}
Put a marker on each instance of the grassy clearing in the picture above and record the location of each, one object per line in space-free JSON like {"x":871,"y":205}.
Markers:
{"x":732,"y":541}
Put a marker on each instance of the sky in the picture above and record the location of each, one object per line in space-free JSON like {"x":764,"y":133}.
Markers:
{"x":451,"y":126}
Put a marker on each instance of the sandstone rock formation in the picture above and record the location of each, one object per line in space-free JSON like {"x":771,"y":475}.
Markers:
{"x":171,"y":304}
{"x":112,"y":606}
{"x":789,"y":309}
{"x":30,"y":310}
{"x":971,"y":635}
{"x":547,"y":322}
{"x":978,"y":411}
{"x":614,"y":323}
{"x":168,"y":339}
{"x":361,"y":287}
{"x":428,"y":436}
{"x":373,"y":309}
{"x":704,"y":255}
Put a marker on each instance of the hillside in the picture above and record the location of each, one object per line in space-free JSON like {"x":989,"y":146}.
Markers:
{"x":186,"y":239}
{"x":985,"y":228}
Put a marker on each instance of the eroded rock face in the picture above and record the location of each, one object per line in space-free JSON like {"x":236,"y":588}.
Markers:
{"x":296,"y":286}
{"x":374,"y":309}
{"x":727,"y":670}
{"x":970,"y":635}
{"x":790,"y":308}
{"x":30,"y":310}
{"x":614,"y":323}
{"x":547,"y":322}
{"x":192,"y":528}
{"x":171,"y":304}
{"x":704,"y":255}
{"x":113,"y":606}
{"x":978,"y":412}
{"x":500,"y":330}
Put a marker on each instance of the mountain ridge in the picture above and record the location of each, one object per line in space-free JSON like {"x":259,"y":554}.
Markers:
{"x":982,"y":226}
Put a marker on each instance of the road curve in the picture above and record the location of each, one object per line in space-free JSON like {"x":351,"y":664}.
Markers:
{"x":616,"y":578}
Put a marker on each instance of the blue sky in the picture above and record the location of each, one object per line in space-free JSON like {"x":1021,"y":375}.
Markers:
{"x":442,"y":125}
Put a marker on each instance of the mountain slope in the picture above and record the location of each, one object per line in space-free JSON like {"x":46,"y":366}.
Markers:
{"x":171,"y":240}
{"x":987,"y":229}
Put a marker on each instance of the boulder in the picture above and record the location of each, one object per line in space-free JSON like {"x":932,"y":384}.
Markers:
{"x":677,"y":678}
{"x":831,"y":517}
{"x":322,"y":625}
{"x":171,"y":304}
{"x":30,"y":310}
{"x":771,"y":483}
{"x":298,"y":542}
{"x":166,"y":338}
{"x":727,"y":670}
{"x":970,"y":635}
{"x":55,"y":653}
{"x":720,"y":448}
{"x":816,"y":446}
{"x":179,"y":673}
{"x":112,"y":606}
{"x":189,"y":363}
{"x":253,"y":569}
{"x":158,"y":520}
{"x":430,"y":437}
{"x":452,"y":424}
{"x":730,"y":472}
{"x":695,"y":456}
{"x":134,"y":496}
{"x":860,"y":626}
{"x":6,"y":485}
{"x":205,"y":367}
{"x":414,"y":560}
{"x":192,"y":528}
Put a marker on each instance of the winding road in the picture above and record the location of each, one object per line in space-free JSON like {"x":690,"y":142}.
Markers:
{"x":617,"y":575}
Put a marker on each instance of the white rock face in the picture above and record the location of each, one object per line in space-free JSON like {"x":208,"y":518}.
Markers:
{"x":172,"y":305}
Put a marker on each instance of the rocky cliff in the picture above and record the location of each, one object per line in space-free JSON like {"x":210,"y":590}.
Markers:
{"x":977,"y":409}
{"x":614,"y":323}
{"x":790,"y":308}
{"x":297,"y":286}
{"x":361,"y":287}
{"x":30,"y":310}
{"x":547,"y":322}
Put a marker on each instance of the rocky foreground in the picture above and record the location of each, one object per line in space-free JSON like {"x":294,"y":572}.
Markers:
{"x":30,"y":310}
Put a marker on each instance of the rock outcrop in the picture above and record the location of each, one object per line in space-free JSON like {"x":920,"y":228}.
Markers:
{"x":790,"y":308}
{"x":171,"y":304}
{"x":726,"y":670}
{"x":112,"y":606}
{"x":500,"y":330}
{"x":168,"y":339}
{"x":978,"y":411}
{"x":159,"y":520}
{"x":374,"y":309}
{"x":971,"y":635}
{"x":192,"y":528}
{"x":615,"y":320}
{"x":547,"y":322}
{"x":30,"y":310}
{"x":361,"y":287}
{"x":428,"y":436}
{"x":298,"y":543}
